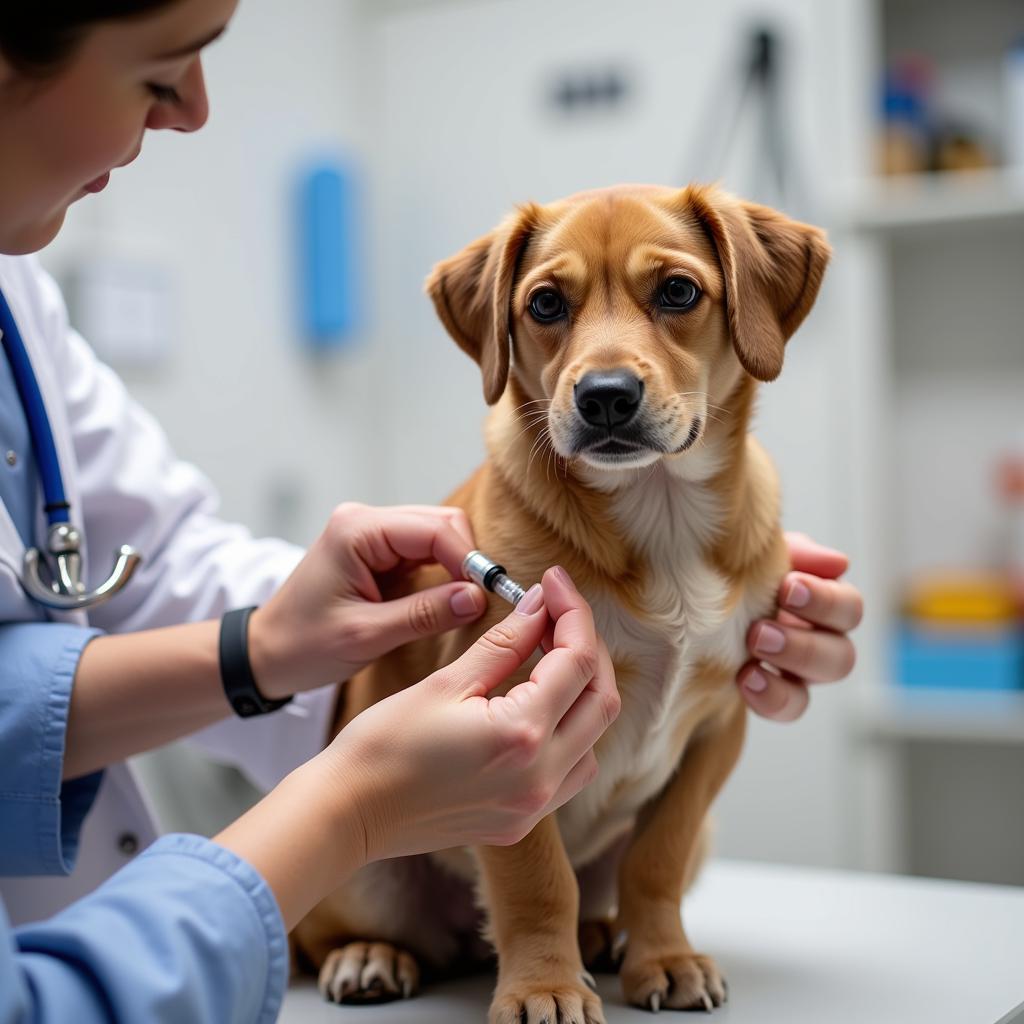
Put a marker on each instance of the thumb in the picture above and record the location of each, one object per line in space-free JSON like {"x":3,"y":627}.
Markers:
{"x":505,"y":647}
{"x":428,"y":612}
{"x":807,"y":555}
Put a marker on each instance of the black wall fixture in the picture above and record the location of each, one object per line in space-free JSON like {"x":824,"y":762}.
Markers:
{"x":588,"y":91}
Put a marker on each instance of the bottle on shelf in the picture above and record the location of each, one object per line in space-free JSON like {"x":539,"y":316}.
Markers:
{"x":1011,"y":547}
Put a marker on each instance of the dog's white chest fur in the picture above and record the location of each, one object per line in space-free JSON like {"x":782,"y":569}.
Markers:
{"x":686,"y":619}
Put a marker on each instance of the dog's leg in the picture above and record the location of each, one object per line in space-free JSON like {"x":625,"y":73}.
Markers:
{"x":602,"y":940}
{"x":598,"y":884}
{"x":531,"y":894}
{"x":660,"y":968}
{"x":390,"y":923}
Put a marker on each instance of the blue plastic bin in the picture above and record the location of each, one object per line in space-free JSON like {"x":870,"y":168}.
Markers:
{"x":960,"y":659}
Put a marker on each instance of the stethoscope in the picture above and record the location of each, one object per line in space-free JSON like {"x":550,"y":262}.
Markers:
{"x":63,"y":587}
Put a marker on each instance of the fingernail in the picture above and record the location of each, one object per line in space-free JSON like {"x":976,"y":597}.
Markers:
{"x":756,"y":682}
{"x":466,"y":601}
{"x":770,"y":639}
{"x":563,"y":576}
{"x":798,"y":594}
{"x":533,"y":600}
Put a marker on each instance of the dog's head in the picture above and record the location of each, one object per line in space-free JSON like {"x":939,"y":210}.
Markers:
{"x":627,"y":314}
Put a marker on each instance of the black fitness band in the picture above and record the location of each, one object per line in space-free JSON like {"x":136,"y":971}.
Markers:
{"x":236,"y":672}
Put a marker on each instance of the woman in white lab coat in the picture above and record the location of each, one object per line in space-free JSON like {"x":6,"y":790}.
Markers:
{"x":76,"y":97}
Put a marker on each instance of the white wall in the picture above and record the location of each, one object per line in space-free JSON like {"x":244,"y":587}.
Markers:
{"x":240,"y":395}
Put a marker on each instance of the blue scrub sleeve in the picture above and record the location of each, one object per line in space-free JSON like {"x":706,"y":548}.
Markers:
{"x":186,"y":932}
{"x":40,"y":816}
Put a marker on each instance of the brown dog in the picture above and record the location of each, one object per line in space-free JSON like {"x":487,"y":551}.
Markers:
{"x":621,"y":334}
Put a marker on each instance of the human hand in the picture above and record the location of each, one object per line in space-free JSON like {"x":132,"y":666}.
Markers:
{"x":331,"y":616}
{"x":806,"y":642}
{"x":440,"y":764}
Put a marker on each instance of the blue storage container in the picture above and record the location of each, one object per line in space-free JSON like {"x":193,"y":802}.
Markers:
{"x":960,"y":659}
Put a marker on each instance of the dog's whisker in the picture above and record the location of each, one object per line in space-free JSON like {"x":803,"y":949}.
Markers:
{"x":525,"y":430}
{"x":534,"y":415}
{"x":695,"y":394}
{"x":532,"y":422}
{"x":552,"y":461}
{"x":539,"y":418}
{"x":534,"y":452}
{"x":704,"y":395}
{"x":557,"y":461}
{"x":537,"y":448}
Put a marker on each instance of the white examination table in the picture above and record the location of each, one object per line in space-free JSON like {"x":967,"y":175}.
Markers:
{"x":801,"y":946}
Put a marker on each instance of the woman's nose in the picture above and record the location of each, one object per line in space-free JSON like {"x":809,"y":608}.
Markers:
{"x":190,"y":112}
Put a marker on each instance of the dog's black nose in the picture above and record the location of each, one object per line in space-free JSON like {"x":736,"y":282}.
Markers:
{"x":608,"y":399}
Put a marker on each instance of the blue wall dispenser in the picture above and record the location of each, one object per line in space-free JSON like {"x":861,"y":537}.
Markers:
{"x":329,"y":254}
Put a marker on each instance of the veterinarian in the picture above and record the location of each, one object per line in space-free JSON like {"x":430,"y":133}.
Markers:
{"x":132,"y":926}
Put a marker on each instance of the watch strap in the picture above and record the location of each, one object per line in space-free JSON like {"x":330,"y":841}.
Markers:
{"x":235,"y":669}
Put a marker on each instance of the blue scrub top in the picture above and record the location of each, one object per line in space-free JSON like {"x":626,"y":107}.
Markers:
{"x":186,"y":932}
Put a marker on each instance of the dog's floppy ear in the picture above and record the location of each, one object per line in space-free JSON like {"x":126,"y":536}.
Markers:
{"x":773,"y":268}
{"x":472,"y":293}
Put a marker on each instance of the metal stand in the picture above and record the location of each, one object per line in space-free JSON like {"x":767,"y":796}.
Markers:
{"x":758,"y":89}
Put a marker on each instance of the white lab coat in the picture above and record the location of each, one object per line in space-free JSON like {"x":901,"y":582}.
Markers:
{"x":125,"y":486}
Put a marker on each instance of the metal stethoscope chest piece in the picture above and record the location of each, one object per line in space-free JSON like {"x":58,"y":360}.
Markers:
{"x":64,"y":588}
{"x":60,"y":587}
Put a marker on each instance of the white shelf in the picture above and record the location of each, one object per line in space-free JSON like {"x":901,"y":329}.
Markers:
{"x":925,"y":201}
{"x":958,"y":716}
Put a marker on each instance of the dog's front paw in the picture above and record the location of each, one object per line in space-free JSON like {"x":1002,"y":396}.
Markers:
{"x":672,"y":981}
{"x":546,"y":1000}
{"x":368,"y":972}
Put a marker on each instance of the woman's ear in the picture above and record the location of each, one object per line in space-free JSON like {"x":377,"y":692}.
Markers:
{"x":773,"y":268}
{"x":472,"y":293}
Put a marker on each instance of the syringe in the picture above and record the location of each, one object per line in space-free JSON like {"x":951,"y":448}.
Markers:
{"x":480,"y":569}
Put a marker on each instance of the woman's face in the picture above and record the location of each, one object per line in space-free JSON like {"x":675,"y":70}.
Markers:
{"x":63,"y":134}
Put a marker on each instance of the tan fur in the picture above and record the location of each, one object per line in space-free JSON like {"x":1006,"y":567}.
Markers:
{"x":677,"y":556}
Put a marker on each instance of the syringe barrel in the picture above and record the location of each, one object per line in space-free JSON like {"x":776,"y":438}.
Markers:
{"x":488,"y":574}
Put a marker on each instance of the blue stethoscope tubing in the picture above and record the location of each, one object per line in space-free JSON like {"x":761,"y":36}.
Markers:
{"x":63,"y":588}
{"x":57,"y":508}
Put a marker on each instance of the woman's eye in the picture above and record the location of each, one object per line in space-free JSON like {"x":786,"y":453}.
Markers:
{"x":164,"y":93}
{"x":679,"y":293}
{"x":547,"y":305}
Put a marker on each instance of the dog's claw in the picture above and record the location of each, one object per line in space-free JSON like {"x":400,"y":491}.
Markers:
{"x":588,"y":979}
{"x":654,"y":1002}
{"x":706,"y":1000}
{"x":619,"y":944}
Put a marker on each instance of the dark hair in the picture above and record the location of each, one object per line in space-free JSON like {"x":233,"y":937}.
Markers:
{"x":37,"y":38}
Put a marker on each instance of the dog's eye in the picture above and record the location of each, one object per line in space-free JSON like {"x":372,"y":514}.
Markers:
{"x":679,"y":293}
{"x":547,"y":305}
